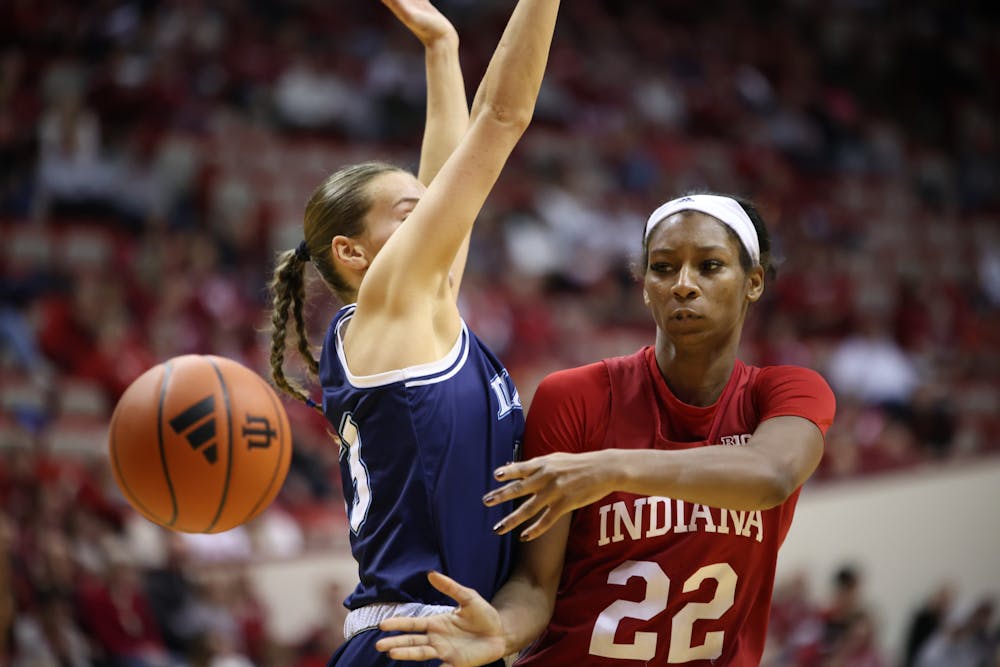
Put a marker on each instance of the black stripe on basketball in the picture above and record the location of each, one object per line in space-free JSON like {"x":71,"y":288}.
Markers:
{"x":130,"y":496}
{"x":281,"y":450}
{"x":194,"y":414}
{"x":229,"y":450}
{"x":167,"y":369}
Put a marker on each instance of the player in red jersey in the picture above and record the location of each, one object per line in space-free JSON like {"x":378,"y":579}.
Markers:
{"x":658,"y":486}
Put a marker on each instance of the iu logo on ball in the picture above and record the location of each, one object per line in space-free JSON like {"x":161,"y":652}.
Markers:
{"x":258,"y":432}
{"x":204,"y":432}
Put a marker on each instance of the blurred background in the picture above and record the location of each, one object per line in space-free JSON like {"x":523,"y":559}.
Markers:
{"x":155,"y":155}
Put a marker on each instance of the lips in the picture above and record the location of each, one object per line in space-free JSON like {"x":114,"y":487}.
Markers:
{"x":684,"y":314}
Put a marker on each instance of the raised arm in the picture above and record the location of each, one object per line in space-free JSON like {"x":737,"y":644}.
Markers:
{"x":447,"y":116}
{"x":405,"y":300}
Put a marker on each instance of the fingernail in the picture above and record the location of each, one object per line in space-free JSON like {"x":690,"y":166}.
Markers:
{"x":499,"y":473}
{"x":497,"y":528}
{"x":489,"y":499}
{"x":524,"y":537}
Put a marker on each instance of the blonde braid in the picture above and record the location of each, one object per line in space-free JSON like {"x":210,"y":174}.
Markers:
{"x":288,"y":288}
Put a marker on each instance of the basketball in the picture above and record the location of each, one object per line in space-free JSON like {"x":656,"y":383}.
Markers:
{"x":199,"y":444}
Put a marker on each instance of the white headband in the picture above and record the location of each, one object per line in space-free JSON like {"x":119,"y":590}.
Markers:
{"x":725,"y":209}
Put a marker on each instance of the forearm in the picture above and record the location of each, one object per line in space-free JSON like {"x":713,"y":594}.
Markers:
{"x":525,"y":608}
{"x":447,"y":106}
{"x":510,"y":86}
{"x":736,"y":478}
{"x":526,"y":601}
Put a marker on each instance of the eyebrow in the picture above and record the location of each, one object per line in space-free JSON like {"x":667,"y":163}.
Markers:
{"x":406,"y":200}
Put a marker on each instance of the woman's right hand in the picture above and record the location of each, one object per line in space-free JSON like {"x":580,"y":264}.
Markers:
{"x":423,"y":19}
{"x":469,"y":636}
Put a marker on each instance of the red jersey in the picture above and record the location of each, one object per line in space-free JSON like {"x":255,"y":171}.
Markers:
{"x":650,"y":580}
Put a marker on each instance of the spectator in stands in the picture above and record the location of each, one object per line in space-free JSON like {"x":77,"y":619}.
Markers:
{"x":49,"y":637}
{"x":796,"y":626}
{"x":845,"y":605}
{"x":118,"y":615}
{"x":870,"y":365}
{"x":171,"y":595}
{"x":73,"y":174}
{"x":963,"y":639}
{"x":857,"y":646}
{"x":925,"y":623}
{"x":311,"y":95}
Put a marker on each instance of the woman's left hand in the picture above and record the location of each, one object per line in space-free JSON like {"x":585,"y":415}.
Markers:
{"x":554,"y":485}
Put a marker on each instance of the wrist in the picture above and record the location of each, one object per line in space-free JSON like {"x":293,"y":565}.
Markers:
{"x":444,"y":42}
{"x":620,"y":467}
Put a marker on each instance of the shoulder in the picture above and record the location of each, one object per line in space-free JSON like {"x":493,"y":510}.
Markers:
{"x":581,"y":393}
{"x":770,"y":376}
{"x":582,"y":380}
{"x":568,"y":410}
{"x":794,"y":390}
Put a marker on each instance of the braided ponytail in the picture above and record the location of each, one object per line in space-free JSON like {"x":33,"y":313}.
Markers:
{"x":337,"y":207}
{"x":288,"y":289}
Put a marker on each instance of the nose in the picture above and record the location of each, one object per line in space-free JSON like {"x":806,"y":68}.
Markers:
{"x":685,"y":286}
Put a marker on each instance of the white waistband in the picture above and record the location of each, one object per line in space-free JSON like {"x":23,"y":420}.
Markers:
{"x":369,"y":616}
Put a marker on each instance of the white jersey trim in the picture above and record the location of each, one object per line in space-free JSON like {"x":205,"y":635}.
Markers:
{"x":414,"y":376}
{"x":369,"y":616}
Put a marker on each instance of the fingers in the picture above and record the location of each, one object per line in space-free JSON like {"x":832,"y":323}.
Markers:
{"x":404,"y":624}
{"x":462,"y":595}
{"x":545,"y":521}
{"x":525,"y":512}
{"x":407,"y":647}
{"x":516,"y":489}
{"x":525,"y":481}
{"x":516,"y":470}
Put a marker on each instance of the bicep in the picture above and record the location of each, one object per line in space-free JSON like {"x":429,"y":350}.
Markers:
{"x":792,"y":445}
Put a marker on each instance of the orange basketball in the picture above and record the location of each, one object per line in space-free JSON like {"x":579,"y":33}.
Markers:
{"x":199,"y":444}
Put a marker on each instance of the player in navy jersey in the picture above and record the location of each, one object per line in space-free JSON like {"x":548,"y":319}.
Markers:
{"x":423,"y":411}
{"x":658,"y":487}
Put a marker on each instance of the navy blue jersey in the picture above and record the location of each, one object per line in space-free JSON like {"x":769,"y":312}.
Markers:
{"x":417,"y":454}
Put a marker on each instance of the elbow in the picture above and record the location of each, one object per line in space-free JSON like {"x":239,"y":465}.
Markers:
{"x":776,"y":488}
{"x":513,"y":118}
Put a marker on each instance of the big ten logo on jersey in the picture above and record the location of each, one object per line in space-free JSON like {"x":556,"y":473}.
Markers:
{"x":507,"y":397}
{"x":736,"y":440}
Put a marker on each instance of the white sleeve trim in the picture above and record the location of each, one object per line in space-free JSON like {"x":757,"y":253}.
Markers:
{"x":418,"y":375}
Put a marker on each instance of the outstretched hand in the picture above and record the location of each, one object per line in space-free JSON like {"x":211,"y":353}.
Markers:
{"x":423,"y":19}
{"x":554,"y":484}
{"x":469,"y":636}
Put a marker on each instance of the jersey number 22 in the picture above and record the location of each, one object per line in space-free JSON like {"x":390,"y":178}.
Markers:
{"x":643,"y":646}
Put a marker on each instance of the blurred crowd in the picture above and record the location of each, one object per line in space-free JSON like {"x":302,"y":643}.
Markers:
{"x":154,"y":156}
{"x":949,"y":628}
